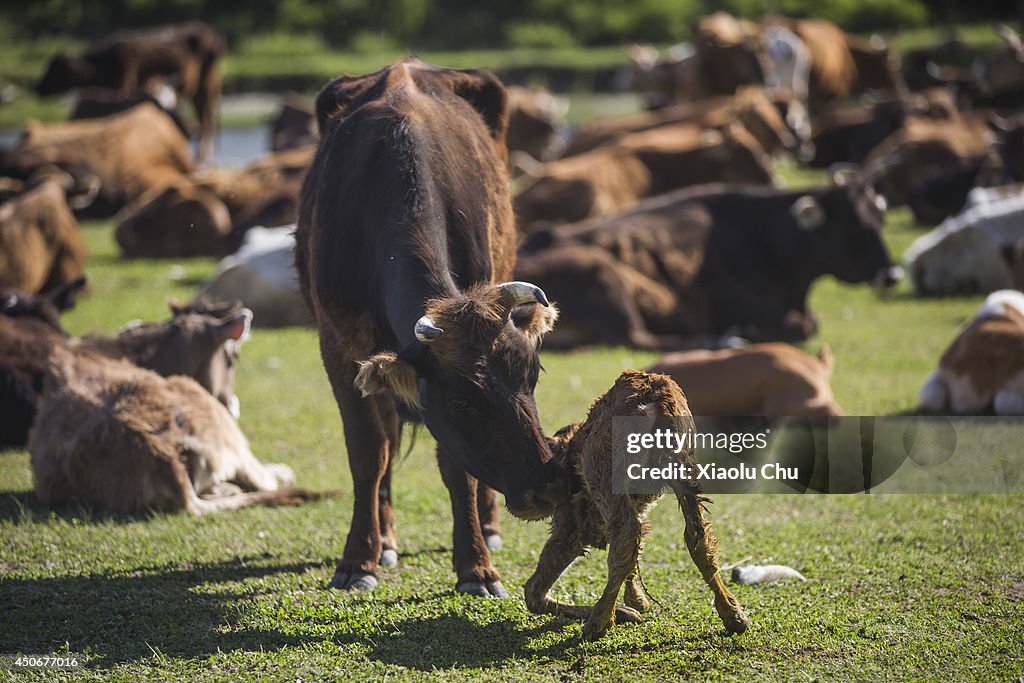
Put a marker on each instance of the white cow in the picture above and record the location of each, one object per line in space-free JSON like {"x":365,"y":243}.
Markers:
{"x":966,"y":253}
{"x":262,"y":275}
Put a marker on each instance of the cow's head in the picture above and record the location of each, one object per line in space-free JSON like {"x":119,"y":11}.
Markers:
{"x":15,"y":303}
{"x":202,"y":340}
{"x":62,"y":73}
{"x":472,"y":373}
{"x":845,"y":224}
{"x":176,"y":220}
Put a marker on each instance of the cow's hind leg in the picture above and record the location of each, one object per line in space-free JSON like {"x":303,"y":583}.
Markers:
{"x":471,"y":559}
{"x":703,"y":547}
{"x":386,"y":514}
{"x":487,"y":508}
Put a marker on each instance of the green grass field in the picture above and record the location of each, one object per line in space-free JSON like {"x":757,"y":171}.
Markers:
{"x":910,"y":587}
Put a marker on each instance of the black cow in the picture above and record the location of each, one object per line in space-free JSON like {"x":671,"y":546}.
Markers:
{"x":405,"y":229}
{"x":741,"y":259}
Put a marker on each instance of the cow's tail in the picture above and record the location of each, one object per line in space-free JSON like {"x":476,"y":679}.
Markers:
{"x":289,"y":496}
{"x":825,"y":356}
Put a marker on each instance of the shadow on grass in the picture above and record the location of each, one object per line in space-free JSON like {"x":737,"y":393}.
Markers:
{"x":25,"y":506}
{"x":122,"y":618}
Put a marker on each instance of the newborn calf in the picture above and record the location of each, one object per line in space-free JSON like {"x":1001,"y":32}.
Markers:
{"x":597,"y":517}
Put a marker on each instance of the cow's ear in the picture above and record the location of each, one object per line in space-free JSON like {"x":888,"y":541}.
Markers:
{"x":535,"y":321}
{"x":488,"y":96}
{"x":808,"y":213}
{"x":337,"y":95}
{"x":387,"y":373}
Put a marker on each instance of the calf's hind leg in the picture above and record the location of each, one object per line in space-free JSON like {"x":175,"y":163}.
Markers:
{"x":703,"y":547}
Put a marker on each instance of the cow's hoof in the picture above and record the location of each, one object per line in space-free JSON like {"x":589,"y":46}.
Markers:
{"x":482,"y":589}
{"x":389,"y":557}
{"x":627,"y":615}
{"x":494,"y":542}
{"x":354,"y":581}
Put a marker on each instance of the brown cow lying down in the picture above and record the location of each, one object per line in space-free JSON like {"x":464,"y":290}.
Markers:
{"x":126,"y":440}
{"x":127,"y":62}
{"x":201,"y":341}
{"x":982,"y":371}
{"x":597,"y":517}
{"x":534,"y":117}
{"x":751,"y":107}
{"x":923,"y":144}
{"x":640,"y":165}
{"x":130,"y":152}
{"x":41,"y":249}
{"x":776,"y":380}
{"x":209,"y":213}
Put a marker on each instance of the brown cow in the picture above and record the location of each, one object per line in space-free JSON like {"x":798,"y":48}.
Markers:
{"x":208,"y":213}
{"x":130,"y":153}
{"x":775,"y":380}
{"x":534,"y":119}
{"x":924,"y":144}
{"x":982,"y":371}
{"x":599,"y":516}
{"x":187,"y":55}
{"x":405,"y":229}
{"x":294,"y":126}
{"x":41,"y":248}
{"x":114,"y":436}
{"x":640,"y":165}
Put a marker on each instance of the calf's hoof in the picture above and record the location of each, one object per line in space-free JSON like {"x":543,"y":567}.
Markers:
{"x":627,"y":615}
{"x":482,"y":589}
{"x":353,"y":581}
{"x":494,"y":542}
{"x":735,"y":622}
{"x":595,"y":630}
{"x":388,"y":557}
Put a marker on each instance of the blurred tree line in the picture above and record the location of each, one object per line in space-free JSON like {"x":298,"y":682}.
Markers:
{"x":459,"y":24}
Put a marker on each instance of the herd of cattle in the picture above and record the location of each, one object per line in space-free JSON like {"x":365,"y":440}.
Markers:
{"x":384,"y":216}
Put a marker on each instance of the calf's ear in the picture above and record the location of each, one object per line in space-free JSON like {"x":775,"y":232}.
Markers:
{"x":386,"y":372}
{"x":808,"y":213}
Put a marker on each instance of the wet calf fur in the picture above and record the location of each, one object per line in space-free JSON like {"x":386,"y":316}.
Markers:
{"x":598,"y":517}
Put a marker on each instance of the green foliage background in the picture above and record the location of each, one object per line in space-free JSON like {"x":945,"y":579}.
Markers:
{"x":462,"y":24}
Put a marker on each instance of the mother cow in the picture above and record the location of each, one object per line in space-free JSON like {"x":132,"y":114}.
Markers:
{"x":405,"y":226}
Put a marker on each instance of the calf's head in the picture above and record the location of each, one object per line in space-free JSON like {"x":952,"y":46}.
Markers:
{"x":472,"y":373}
{"x":845,"y":225}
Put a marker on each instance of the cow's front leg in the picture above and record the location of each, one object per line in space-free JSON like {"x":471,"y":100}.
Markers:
{"x":372,"y":429}
{"x":470,"y":557}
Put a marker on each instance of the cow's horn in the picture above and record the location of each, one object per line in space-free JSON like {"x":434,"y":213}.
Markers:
{"x":515,"y":293}
{"x":877,"y":166}
{"x":426,"y":331}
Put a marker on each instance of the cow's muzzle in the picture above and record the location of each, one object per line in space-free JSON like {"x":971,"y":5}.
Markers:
{"x":887,"y":277}
{"x":541,"y":503}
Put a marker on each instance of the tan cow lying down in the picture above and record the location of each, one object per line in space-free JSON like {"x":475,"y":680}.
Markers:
{"x":597,"y":517}
{"x":41,"y":249}
{"x":130,"y":152}
{"x":982,"y":371}
{"x":208,"y":213}
{"x":119,"y":438}
{"x":776,"y":380}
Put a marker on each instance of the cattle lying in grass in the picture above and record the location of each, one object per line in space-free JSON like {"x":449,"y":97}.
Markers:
{"x":129,"y":153}
{"x":261,"y":274}
{"x":535,"y":117}
{"x":209,"y":213}
{"x":187,"y":55}
{"x":740,"y":259}
{"x":982,"y":371}
{"x":294,"y":126}
{"x":405,"y":230}
{"x":1002,"y":72}
{"x":201,"y":341}
{"x":613,"y":177}
{"x":29,"y":330}
{"x":775,"y":380}
{"x":597,"y":516}
{"x":751,"y":107}
{"x":115,"y":437}
{"x":923,"y":144}
{"x":967,"y":253}
{"x":41,"y":249}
